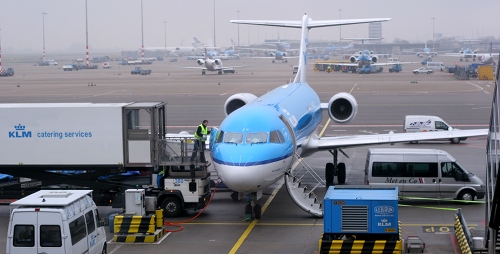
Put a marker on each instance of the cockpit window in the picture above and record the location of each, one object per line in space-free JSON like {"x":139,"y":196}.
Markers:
{"x":233,"y":137}
{"x":219,"y":136}
{"x":276,"y":137}
{"x":256,"y":137}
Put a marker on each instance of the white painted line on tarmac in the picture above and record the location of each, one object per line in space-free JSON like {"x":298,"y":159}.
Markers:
{"x":115,"y":249}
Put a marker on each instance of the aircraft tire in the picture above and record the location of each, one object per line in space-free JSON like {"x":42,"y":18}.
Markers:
{"x":248,"y":209}
{"x":341,"y":174}
{"x":257,"y":209}
{"x":234,"y":196}
{"x":329,"y":174}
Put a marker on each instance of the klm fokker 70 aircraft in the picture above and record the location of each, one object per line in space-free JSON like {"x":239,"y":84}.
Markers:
{"x":261,"y":137}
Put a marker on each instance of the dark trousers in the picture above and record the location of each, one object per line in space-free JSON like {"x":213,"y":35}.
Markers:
{"x":198,"y":144}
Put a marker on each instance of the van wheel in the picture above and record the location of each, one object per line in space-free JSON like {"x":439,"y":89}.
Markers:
{"x":171,"y":207}
{"x":104,"y":249}
{"x":329,"y":173}
{"x":413,"y":142}
{"x":455,"y":140}
{"x":341,"y":173}
{"x":466,"y":195}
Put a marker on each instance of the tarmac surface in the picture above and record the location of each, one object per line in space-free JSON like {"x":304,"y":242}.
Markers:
{"x":383,"y":101}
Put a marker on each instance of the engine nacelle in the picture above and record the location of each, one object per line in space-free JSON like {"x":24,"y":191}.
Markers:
{"x":342,"y":107}
{"x":217,"y":62}
{"x":201,"y":61}
{"x":284,"y":53}
{"x":374,"y":59}
{"x":237,"y":101}
{"x":271,"y":54}
{"x":353,"y":59}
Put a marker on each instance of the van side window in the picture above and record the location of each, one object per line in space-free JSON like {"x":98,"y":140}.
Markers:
{"x":441,"y":126}
{"x":89,"y":220}
{"x":422,"y":169}
{"x":50,"y":236}
{"x":24,"y":236}
{"x":386,"y":169}
{"x":77,"y":230}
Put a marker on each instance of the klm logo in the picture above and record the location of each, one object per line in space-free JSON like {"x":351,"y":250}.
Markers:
{"x":20,"y":132}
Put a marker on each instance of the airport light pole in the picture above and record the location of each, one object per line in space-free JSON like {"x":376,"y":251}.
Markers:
{"x":214,"y":24}
{"x":87,"y":62}
{"x":433,"y":33}
{"x":142,"y":33}
{"x":238,"y":28}
{"x":43,"y":33}
{"x":165,"y":25}
{"x":340,"y":27}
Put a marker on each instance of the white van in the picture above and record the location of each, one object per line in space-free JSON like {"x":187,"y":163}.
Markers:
{"x":55,"y":221}
{"x":436,"y":65}
{"x":428,"y":173}
{"x":421,"y":123}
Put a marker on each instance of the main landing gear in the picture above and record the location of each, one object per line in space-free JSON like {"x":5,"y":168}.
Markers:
{"x":334,"y":169}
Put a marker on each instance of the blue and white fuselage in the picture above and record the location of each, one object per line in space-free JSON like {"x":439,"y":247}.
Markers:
{"x":248,"y":164}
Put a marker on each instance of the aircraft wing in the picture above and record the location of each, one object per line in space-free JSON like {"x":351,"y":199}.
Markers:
{"x":393,"y":63}
{"x":311,"y":23}
{"x":198,"y":68}
{"x":328,"y":143}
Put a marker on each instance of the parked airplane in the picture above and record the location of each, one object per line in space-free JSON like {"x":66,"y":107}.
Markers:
{"x":468,"y":54}
{"x":196,"y":46}
{"x":212,"y":64}
{"x":364,"y":60}
{"x":331,"y":49}
{"x":259,"y":139}
{"x":426,"y":52}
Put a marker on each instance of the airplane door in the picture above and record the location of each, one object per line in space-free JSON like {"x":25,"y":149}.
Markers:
{"x":294,"y":141}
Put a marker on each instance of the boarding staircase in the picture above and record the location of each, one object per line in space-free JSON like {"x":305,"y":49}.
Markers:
{"x":304,"y":184}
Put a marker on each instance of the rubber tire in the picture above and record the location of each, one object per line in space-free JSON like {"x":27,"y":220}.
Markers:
{"x":341,"y":173}
{"x":329,"y":174}
{"x":248,"y":209}
{"x":413,"y":142}
{"x":465,"y":194}
{"x":104,"y":249}
{"x":171,"y":207}
{"x":234,"y":196}
{"x":257,"y":210}
{"x":455,"y":140}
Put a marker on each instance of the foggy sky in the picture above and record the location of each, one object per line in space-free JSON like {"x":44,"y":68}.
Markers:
{"x":115,"y":25}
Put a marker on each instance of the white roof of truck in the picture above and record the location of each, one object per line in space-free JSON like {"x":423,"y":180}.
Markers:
{"x":52,"y":198}
{"x":405,"y":151}
{"x":62,"y":105}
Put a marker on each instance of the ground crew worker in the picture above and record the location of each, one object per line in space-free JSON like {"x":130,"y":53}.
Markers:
{"x":200,"y":136}
{"x":329,"y":68}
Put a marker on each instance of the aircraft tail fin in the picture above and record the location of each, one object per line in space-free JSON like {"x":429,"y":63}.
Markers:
{"x":305,"y":24}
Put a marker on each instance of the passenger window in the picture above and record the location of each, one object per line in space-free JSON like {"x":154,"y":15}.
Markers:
{"x":256,"y":138}
{"x":441,"y":126}
{"x":218,"y":138}
{"x":24,"y":236}
{"x":233,"y":137}
{"x":89,"y":220}
{"x":423,"y":169}
{"x":50,"y":236}
{"x":77,"y":230}
{"x":276,"y":137}
{"x":386,"y":169}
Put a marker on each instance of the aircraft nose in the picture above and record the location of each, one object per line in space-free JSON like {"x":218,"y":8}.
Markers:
{"x":240,"y":178}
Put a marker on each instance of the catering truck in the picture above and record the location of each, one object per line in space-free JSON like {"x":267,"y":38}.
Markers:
{"x":95,"y":146}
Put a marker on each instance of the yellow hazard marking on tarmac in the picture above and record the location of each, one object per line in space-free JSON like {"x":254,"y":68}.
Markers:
{"x":250,"y":227}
